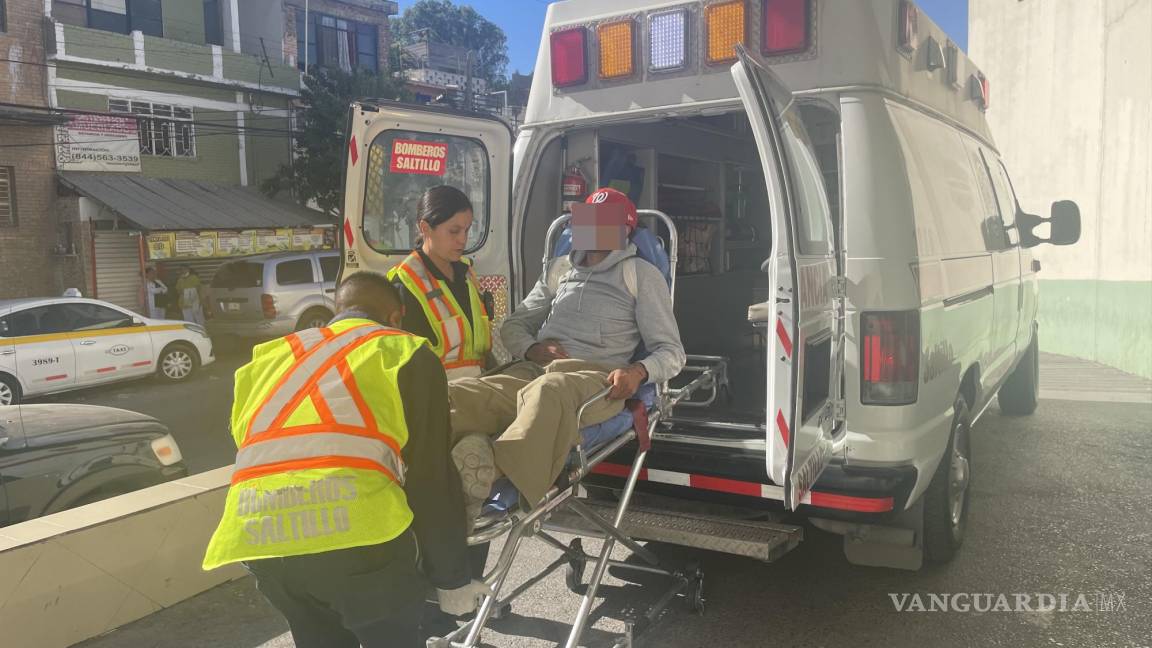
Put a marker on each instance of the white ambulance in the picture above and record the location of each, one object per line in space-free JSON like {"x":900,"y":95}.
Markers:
{"x":849,"y":241}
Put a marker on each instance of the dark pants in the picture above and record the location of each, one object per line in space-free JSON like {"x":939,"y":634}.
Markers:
{"x":365,"y":596}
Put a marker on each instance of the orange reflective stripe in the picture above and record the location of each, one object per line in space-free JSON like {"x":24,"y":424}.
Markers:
{"x":310,"y":464}
{"x":404,"y":267}
{"x":321,"y":405}
{"x":307,"y":387}
{"x":297,"y":345}
{"x":324,"y":428}
{"x":349,"y":380}
{"x":463,"y":363}
{"x":284,"y":379}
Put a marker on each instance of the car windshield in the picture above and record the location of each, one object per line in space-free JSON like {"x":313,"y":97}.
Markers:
{"x":240,"y":274}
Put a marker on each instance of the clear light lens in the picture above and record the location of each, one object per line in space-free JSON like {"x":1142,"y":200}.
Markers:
{"x":166,"y":450}
{"x":726,"y":29}
{"x":616,"y":51}
{"x":668,"y":47}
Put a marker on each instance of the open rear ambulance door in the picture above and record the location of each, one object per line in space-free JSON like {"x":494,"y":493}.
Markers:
{"x":395,"y":153}
{"x":801,"y":317}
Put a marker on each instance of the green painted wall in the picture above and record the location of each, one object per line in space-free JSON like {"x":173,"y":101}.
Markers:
{"x":168,"y":54}
{"x":217,"y":151}
{"x":243,"y":67}
{"x":155,"y":83}
{"x":1105,"y":321}
{"x":183,"y":20}
{"x":265,"y":151}
{"x":100,"y":45}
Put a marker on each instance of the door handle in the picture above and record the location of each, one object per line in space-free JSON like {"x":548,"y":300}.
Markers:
{"x":329,"y":290}
{"x":88,"y":342}
{"x":8,"y":352}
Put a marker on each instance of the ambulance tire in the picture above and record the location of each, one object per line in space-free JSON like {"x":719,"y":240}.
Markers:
{"x":9,"y":390}
{"x":947,"y":498}
{"x":1021,"y":392}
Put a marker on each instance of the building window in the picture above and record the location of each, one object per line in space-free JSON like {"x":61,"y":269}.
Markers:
{"x":3,"y":16}
{"x":336,"y":43}
{"x":213,"y":25}
{"x":7,"y":196}
{"x":121,"y":16}
{"x":165,"y":130}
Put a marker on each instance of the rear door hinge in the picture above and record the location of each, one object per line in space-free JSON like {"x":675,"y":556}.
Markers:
{"x":839,"y":287}
{"x":839,"y":410}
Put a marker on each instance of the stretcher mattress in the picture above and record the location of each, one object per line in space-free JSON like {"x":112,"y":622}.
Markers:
{"x":505,"y":496}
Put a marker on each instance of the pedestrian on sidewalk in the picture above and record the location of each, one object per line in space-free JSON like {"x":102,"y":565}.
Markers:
{"x":190,"y":292}
{"x":344,"y":501}
{"x":157,"y":294}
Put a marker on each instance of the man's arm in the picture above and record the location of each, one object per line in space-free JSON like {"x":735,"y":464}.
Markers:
{"x":657,"y":324}
{"x":518,"y":332}
{"x":432,"y":483}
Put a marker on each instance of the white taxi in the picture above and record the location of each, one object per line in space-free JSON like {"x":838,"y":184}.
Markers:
{"x":50,"y":345}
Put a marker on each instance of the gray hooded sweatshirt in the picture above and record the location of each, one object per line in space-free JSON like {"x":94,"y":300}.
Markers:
{"x":595,"y":317}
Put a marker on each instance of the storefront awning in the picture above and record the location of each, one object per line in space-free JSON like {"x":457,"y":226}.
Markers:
{"x":157,"y":204}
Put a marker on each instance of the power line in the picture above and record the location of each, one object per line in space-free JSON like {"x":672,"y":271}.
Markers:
{"x":124,"y":75}
{"x":138,"y":116}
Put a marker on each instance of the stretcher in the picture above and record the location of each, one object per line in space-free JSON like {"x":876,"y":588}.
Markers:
{"x":505,"y":517}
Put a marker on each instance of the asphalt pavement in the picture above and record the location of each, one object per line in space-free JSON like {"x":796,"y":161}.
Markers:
{"x":195,"y":411}
{"x":1059,"y":505}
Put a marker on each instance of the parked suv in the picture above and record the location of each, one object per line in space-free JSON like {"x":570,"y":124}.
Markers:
{"x":270,"y":295}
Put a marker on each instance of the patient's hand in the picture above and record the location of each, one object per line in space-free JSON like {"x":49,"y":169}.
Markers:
{"x":626,"y":381}
{"x":546,"y":351}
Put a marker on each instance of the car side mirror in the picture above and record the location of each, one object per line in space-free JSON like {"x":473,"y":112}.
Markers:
{"x":136,"y":321}
{"x":1064,"y":225}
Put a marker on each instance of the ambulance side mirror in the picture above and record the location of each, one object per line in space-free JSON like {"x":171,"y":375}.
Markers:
{"x":1064,"y":225}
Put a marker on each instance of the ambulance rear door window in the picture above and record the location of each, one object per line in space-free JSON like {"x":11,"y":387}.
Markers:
{"x":402,"y":165}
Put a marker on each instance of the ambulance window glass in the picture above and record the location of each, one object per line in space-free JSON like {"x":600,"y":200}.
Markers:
{"x":403,"y":165}
{"x":1005,"y":197}
{"x":815,"y":216}
{"x":993,"y":230}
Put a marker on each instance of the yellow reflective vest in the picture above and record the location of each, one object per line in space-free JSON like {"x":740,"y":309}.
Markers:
{"x":461,"y":346}
{"x":320,"y":428}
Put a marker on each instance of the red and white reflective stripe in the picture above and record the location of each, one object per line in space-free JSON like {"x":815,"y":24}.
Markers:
{"x":352,"y":152}
{"x":782,"y":425}
{"x":348,"y":238}
{"x":750,"y":489}
{"x":785,"y":340}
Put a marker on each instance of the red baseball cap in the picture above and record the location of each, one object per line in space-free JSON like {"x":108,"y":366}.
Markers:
{"x":608,"y":195}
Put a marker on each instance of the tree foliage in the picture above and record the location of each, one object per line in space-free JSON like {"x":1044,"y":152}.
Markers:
{"x":315,"y":173}
{"x":458,"y":25}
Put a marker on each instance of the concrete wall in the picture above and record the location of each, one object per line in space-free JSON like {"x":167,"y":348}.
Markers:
{"x":262,"y":19}
{"x":1071,"y":110}
{"x":183,"y":20}
{"x":78,"y":574}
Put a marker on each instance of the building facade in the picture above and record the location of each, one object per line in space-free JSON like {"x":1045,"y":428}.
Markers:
{"x":1071,"y":110}
{"x":30,"y":231}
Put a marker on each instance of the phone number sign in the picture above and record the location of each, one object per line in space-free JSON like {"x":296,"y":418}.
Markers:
{"x":98,"y":143}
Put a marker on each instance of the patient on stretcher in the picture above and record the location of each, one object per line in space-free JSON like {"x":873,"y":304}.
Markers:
{"x":577,"y":332}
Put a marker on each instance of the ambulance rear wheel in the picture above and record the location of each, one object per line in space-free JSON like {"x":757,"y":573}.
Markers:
{"x":946,"y":500}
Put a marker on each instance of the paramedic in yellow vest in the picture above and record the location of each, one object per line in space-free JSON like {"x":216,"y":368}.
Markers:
{"x":443,"y":302}
{"x":344,"y":501}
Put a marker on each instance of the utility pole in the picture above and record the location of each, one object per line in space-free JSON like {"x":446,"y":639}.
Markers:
{"x":470,"y":96}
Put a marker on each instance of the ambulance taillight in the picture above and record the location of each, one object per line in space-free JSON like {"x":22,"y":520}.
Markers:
{"x":569,"y":57}
{"x":785,"y":26}
{"x":890,"y":358}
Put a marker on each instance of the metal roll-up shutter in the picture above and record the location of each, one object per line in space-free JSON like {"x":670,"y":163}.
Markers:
{"x":119,"y":277}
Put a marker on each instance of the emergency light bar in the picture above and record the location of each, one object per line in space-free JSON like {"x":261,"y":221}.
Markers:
{"x":786,"y":27}
{"x":617,"y":58}
{"x":569,"y":57}
{"x":725,"y":27}
{"x":668,"y":41}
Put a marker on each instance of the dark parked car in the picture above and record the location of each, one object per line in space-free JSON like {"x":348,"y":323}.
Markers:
{"x":58,"y":456}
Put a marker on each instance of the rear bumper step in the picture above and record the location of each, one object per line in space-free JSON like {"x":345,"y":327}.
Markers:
{"x":766,"y":541}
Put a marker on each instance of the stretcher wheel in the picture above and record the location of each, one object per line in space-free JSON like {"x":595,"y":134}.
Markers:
{"x":694,"y":594}
{"x":574,"y":570}
{"x":502,"y":611}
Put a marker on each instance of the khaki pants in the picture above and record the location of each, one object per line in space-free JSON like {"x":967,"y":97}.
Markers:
{"x":531,"y":411}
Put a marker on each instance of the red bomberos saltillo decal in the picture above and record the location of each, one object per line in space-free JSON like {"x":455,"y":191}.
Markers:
{"x":423,"y":158}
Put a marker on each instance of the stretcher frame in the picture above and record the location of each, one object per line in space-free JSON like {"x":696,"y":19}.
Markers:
{"x":520,"y":524}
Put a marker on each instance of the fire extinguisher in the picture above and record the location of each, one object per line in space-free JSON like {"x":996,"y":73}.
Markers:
{"x":573,"y":186}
